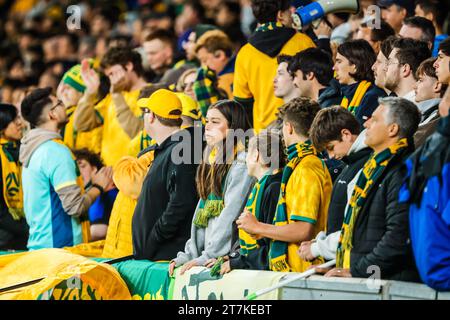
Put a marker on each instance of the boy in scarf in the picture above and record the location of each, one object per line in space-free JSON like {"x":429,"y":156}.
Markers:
{"x":375,"y":230}
{"x":305,"y":192}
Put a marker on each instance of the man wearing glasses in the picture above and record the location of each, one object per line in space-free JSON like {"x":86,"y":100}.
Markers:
{"x":54,"y":201}
{"x":400,"y":69}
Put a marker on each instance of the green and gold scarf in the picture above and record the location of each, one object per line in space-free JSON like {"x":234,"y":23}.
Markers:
{"x":246,"y":242}
{"x":278,"y":249}
{"x":371,"y":171}
{"x":269,"y":26}
{"x":357,"y":97}
{"x":11,"y":180}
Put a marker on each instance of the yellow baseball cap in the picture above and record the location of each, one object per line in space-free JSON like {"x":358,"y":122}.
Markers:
{"x":162,"y":102}
{"x":189,"y":105}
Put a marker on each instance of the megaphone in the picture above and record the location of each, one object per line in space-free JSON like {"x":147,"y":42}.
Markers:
{"x":303,"y":16}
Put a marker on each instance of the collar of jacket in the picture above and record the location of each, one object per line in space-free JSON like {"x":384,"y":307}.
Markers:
{"x":428,"y":106}
{"x":271,"y":42}
{"x":350,"y":89}
{"x":355,"y":156}
{"x":229,"y":67}
{"x":174,"y":138}
{"x":332,"y":90}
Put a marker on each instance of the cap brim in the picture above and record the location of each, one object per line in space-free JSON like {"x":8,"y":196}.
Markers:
{"x":143,"y":103}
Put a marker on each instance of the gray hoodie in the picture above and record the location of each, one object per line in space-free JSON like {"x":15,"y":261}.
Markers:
{"x":73,"y":202}
{"x":215,"y":240}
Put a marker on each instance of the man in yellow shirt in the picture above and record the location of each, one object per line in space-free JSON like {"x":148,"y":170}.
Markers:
{"x":305,"y":192}
{"x":256,"y":62}
{"x":118,"y":112}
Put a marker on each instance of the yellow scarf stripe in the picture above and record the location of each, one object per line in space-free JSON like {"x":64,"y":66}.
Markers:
{"x":11,"y":181}
{"x":357,"y":97}
{"x":371,"y":171}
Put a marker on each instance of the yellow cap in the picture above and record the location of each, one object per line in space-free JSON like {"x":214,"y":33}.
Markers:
{"x":162,"y":102}
{"x":190,"y":106}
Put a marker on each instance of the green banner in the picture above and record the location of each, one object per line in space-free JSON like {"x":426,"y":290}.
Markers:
{"x":146,"y":280}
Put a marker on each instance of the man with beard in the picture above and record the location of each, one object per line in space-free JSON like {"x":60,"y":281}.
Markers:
{"x":400,"y":69}
{"x":55,"y":203}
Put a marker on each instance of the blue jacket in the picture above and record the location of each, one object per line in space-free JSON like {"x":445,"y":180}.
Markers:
{"x":427,"y":190}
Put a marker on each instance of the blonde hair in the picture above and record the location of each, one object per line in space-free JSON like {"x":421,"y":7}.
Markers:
{"x":215,"y":40}
{"x":180,"y":83}
{"x":269,"y":144}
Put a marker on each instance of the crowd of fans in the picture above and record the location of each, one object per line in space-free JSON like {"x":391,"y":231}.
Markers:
{"x":120,"y":129}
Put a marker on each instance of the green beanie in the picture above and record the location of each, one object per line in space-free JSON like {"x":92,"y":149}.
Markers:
{"x":73,"y":78}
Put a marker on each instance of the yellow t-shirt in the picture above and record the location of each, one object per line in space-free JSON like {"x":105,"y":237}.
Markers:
{"x":308,"y":194}
{"x":78,"y":140}
{"x":115,"y":141}
{"x":254,"y":74}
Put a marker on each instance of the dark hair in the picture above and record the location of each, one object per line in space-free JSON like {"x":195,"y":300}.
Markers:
{"x":300,"y":113}
{"x":209,"y":177}
{"x":232,"y":7}
{"x":379,"y":34}
{"x":164,"y":36}
{"x":427,"y":68}
{"x":438,"y":9}
{"x":387,"y":46}
{"x":425,"y":25}
{"x":92,"y":158}
{"x":444,"y":46}
{"x":360,"y":53}
{"x":329,"y":123}
{"x":284,"y":58}
{"x":122,"y":56}
{"x":33,"y":105}
{"x":313,"y":60}
{"x":404,"y":113}
{"x":8,"y":113}
{"x":197,"y":7}
{"x":267,"y":10}
{"x":411,"y":52}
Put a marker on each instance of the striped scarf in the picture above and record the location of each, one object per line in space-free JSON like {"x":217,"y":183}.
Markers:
{"x":84,"y":219}
{"x":357,"y":97}
{"x":213,"y":205}
{"x":11,"y":180}
{"x":278,"y":249}
{"x":246,"y":242}
{"x":371,"y":172}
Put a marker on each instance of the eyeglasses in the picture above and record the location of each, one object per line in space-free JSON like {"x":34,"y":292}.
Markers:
{"x":59,"y":103}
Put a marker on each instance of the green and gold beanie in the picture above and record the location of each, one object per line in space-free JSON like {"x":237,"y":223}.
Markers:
{"x":73,"y":77}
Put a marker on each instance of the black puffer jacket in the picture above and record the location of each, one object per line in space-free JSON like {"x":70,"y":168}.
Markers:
{"x":354,"y":161}
{"x":381,"y":233}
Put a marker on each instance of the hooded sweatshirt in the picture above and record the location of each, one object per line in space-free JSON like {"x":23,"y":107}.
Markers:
{"x":326,"y":243}
{"x":53,"y":201}
{"x":257,"y":60}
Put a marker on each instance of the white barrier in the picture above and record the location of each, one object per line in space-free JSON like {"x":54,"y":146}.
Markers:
{"x":321,"y":288}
